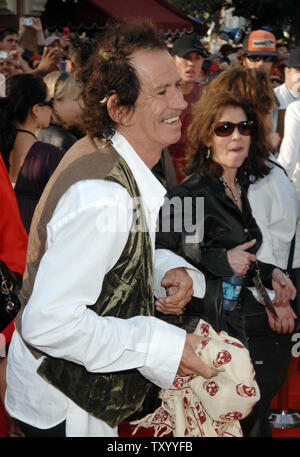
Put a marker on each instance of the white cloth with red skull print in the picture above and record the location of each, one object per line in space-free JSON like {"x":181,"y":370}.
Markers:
{"x":196,"y":406}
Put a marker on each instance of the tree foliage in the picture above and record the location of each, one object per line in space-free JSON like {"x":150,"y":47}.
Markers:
{"x":277,"y":14}
{"x":199,"y":8}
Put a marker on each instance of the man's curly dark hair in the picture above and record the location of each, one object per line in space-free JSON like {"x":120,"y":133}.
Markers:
{"x":109,"y":71}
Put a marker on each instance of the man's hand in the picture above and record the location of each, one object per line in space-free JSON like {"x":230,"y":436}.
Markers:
{"x":179,"y":289}
{"x":283,"y":287}
{"x":285,"y":322}
{"x":190,"y":363}
{"x":49,"y":62}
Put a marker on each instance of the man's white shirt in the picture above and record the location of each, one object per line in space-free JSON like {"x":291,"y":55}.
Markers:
{"x":56,"y":319}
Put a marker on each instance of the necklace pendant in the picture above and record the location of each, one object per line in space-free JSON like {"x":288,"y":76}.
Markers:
{"x":226,"y":185}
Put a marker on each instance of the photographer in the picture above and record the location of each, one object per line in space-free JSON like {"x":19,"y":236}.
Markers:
{"x":7,"y":65}
{"x":9,"y":42}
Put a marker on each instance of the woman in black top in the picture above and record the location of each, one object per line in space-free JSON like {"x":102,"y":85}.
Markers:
{"x":31,"y":162}
{"x":226,"y":144}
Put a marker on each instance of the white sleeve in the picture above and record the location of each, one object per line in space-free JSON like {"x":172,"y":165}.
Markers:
{"x":79,"y":253}
{"x":166,"y":260}
{"x":289,"y":154}
{"x":260,"y":200}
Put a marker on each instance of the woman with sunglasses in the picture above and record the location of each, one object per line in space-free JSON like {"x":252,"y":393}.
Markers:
{"x":31,"y":162}
{"x":276,"y":209}
{"x":226,"y":144}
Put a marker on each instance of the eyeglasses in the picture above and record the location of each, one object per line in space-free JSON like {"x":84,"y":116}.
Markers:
{"x":47,"y":103}
{"x":258,"y":58}
{"x":223,"y":129}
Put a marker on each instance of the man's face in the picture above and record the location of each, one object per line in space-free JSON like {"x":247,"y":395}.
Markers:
{"x":10,"y":42}
{"x":189,"y":66}
{"x":292,"y":78}
{"x":264,"y":63}
{"x":7,"y":68}
{"x":154,"y":123}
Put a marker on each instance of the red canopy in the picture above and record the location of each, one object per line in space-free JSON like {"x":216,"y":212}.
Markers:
{"x":165,"y":16}
{"x":90,"y":12}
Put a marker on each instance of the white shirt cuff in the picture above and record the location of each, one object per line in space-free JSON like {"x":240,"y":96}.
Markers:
{"x":166,"y":260}
{"x":163,"y":360}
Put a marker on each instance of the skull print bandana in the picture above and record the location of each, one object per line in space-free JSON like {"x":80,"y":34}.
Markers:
{"x":198,"y":407}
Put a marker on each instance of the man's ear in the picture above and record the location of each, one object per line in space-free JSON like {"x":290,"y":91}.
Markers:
{"x":115,"y":111}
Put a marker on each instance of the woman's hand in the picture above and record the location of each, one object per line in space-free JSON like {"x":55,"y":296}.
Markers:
{"x":283,"y":287}
{"x":239,"y":259}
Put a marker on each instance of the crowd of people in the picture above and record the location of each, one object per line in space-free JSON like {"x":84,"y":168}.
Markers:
{"x":108,"y":144}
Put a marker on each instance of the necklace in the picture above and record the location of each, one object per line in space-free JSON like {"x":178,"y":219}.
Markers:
{"x":27,"y":131}
{"x":229,"y":189}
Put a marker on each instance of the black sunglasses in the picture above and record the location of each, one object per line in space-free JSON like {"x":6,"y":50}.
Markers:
{"x":47,"y":103}
{"x":258,"y":58}
{"x":223,"y":129}
{"x":275,"y":80}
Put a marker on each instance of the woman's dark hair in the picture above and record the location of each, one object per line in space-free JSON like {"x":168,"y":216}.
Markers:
{"x":25,"y":91}
{"x":109,"y":71}
{"x":250,"y":83}
{"x":201,"y":129}
{"x":7,"y":129}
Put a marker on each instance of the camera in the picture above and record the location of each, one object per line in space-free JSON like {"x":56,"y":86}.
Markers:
{"x":4,"y":55}
{"x":28,"y":21}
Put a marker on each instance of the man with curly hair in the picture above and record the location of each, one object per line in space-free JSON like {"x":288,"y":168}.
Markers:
{"x":87,"y":343}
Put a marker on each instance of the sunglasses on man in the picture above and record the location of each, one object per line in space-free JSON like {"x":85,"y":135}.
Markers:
{"x":276,"y":80}
{"x":223,"y":129}
{"x":258,"y":58}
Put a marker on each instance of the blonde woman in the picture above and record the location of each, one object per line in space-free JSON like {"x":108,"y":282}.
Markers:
{"x":65,"y":93}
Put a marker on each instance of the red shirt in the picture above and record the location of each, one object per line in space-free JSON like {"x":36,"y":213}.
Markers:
{"x":177,"y":150}
{"x":13,"y":237}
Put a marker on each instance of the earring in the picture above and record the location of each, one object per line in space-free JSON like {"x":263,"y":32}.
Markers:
{"x":208,"y":152}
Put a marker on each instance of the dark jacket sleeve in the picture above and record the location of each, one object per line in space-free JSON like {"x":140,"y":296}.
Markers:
{"x":182,"y":232}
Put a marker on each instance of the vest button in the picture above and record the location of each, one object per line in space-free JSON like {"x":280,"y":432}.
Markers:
{"x":139,"y":274}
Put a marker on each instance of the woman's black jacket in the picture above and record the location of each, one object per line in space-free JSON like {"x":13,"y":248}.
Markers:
{"x":204,"y":240}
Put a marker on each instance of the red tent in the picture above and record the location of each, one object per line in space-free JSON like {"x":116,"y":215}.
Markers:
{"x":97,"y":12}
